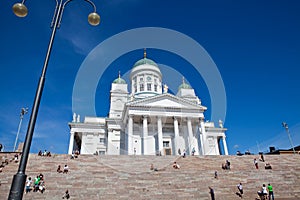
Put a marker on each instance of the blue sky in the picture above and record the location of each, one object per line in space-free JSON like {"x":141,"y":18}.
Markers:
{"x":254,"y":44}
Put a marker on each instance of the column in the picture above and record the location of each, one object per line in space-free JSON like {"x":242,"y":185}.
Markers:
{"x":190,"y":132}
{"x":145,"y":136}
{"x":217,"y":146}
{"x":202,"y":135}
{"x":71,"y":144}
{"x":160,"y":135}
{"x":225,"y":145}
{"x":176,"y":134}
{"x":130,"y":136}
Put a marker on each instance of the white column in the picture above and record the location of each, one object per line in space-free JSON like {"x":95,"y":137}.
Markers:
{"x":145,"y":136}
{"x":190,"y":132}
{"x":202,"y":135}
{"x":176,"y":134}
{"x":71,"y":144}
{"x":217,"y":146}
{"x":160,"y":135}
{"x":225,"y":145}
{"x":130,"y":136}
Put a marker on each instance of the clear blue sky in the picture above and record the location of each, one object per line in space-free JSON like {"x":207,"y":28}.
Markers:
{"x":254,"y":44}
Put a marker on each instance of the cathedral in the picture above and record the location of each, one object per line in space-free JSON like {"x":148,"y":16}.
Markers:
{"x":147,"y":120}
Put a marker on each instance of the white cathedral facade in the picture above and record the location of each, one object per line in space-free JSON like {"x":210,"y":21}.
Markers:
{"x":148,"y":120}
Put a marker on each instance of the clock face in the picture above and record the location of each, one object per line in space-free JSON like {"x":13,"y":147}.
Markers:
{"x":148,"y":78}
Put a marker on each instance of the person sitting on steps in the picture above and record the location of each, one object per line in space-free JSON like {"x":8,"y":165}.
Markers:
{"x":176,"y":166}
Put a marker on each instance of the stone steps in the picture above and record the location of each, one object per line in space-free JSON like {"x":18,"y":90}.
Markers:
{"x":129,"y":177}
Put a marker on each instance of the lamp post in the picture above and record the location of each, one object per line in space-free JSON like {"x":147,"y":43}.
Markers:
{"x":22,"y":113}
{"x":20,"y":10}
{"x":285,"y":125}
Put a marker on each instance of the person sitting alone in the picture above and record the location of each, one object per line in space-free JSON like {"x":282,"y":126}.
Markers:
{"x":184,"y":153}
{"x":66,"y":169}
{"x":227,"y":165}
{"x":66,"y":195}
{"x":152,"y":168}
{"x":77,"y":153}
{"x":262,"y":157}
{"x":268,"y":166}
{"x":16,"y":159}
{"x":176,"y":166}
{"x":216,"y":175}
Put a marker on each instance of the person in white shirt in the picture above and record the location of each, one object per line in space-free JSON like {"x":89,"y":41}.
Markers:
{"x":28,"y":185}
{"x":240,"y":188}
{"x":66,"y":169}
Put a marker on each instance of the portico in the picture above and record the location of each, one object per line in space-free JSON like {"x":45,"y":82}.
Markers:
{"x":162,"y":128}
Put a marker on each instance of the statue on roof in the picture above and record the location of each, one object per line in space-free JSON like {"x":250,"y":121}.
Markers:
{"x":166,"y":88}
{"x":74,"y":117}
{"x":221,"y":124}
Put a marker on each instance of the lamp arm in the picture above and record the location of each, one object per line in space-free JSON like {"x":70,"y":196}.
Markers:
{"x":54,"y":14}
{"x":94,"y":6}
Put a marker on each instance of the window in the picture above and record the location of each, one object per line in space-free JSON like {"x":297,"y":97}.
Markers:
{"x":102,"y":140}
{"x":141,"y":79}
{"x":101,"y":152}
{"x":166,"y":144}
{"x":148,"y":86}
{"x":155,"y":88}
{"x":141,"y":87}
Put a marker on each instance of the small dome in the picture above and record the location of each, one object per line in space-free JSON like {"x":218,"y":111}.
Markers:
{"x":144,"y":61}
{"x":119,"y":80}
{"x":184,"y":86}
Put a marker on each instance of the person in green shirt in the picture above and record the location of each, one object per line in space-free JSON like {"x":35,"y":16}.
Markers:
{"x":271,"y":194}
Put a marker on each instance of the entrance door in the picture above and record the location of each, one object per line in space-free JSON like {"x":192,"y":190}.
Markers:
{"x":168,"y":151}
{"x":167,"y":148}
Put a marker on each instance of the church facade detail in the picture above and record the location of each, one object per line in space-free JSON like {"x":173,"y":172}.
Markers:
{"x":148,"y":120}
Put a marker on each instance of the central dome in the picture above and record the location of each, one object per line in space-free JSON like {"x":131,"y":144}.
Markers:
{"x":145,"y":78}
{"x":144,"y":61}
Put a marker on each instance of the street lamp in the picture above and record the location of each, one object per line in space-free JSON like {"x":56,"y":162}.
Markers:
{"x":22,"y":113}
{"x":285,"y":125}
{"x":20,"y":10}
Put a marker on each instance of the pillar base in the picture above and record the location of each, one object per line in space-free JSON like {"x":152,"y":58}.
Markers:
{"x":17,"y":187}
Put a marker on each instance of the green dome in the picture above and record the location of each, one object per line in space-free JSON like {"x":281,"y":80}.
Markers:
{"x":145,"y":61}
{"x":184,"y":86}
{"x":119,"y":81}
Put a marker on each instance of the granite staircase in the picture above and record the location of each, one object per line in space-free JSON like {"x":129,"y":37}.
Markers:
{"x":130,"y":177}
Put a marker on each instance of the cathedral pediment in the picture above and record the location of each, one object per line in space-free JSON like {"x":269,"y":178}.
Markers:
{"x":165,"y":100}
